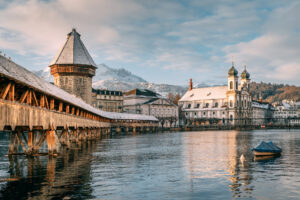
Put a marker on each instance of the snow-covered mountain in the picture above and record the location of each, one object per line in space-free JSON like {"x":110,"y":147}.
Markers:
{"x":121,"y":79}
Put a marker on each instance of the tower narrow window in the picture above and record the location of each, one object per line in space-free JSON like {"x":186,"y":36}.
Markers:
{"x":236,"y":85}
{"x":231,"y":85}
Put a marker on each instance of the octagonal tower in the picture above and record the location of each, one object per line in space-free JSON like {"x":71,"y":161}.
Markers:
{"x":73,"y":68}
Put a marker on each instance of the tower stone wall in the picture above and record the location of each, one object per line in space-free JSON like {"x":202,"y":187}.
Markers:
{"x":73,"y":68}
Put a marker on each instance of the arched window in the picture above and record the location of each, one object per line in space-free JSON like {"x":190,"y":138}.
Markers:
{"x":216,"y":104}
{"x":236,"y":85}
{"x":231,"y":85}
{"x":231,"y":117}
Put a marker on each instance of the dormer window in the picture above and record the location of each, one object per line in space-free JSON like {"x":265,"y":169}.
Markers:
{"x":189,"y":106}
{"x":197,"y":105}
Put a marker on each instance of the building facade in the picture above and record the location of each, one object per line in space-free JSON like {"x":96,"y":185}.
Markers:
{"x":287,"y":112}
{"x":73,"y":68}
{"x":230,"y":104}
{"x":147,"y":102}
{"x":262,"y":113}
{"x":107,"y":100}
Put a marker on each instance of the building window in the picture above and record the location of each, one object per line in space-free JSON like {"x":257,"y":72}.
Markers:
{"x":195,"y":114}
{"x":203,"y":113}
{"x":236,"y":85}
{"x":189,"y":106}
{"x":197,"y":105}
{"x":231,"y":117}
{"x":206,"y":105}
{"x":231,"y":85}
{"x":216,"y":104}
{"x":230,"y":103}
{"x":223,"y":113}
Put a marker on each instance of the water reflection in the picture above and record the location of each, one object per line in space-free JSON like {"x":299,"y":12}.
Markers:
{"x":66,"y":176}
{"x":187,"y":165}
{"x":213,"y":157}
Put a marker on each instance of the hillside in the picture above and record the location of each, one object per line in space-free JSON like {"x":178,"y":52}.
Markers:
{"x":274,"y":92}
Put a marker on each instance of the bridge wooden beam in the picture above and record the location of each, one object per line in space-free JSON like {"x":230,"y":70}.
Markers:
{"x":68,"y":109}
{"x":12,"y":92}
{"x":46,"y":102}
{"x":36,"y":103}
{"x":42,"y":101}
{"x":5,"y":91}
{"x":23,"y":97}
{"x":29,"y":99}
{"x":60,"y":107}
{"x":51,"y":104}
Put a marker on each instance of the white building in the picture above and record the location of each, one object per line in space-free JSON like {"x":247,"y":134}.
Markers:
{"x":262,"y":113}
{"x":147,"y":102}
{"x":287,"y":112}
{"x":230,"y":104}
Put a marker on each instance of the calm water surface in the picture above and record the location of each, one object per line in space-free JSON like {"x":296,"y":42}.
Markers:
{"x":183,"y":165}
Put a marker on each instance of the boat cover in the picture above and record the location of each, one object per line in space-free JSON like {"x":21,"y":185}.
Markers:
{"x":267,"y":147}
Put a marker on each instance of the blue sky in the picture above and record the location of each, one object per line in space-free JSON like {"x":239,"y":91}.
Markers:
{"x":163,"y":41}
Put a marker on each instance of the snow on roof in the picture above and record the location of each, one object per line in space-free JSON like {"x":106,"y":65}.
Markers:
{"x":207,"y":93}
{"x":73,"y":52}
{"x":257,"y":104}
{"x":20,"y":74}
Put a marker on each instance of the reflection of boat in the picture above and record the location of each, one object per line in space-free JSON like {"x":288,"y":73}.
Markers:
{"x":266,"y":158}
{"x":266,"y":149}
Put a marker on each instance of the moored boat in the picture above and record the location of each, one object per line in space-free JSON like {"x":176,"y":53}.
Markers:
{"x":266,"y":149}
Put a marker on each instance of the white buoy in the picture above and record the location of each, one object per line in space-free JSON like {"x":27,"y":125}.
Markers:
{"x":242,"y":158}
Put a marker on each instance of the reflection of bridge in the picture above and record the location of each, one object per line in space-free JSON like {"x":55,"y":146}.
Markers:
{"x":36,"y":111}
{"x":53,"y":178}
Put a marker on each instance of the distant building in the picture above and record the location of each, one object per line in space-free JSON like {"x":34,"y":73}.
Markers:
{"x":107,"y":100}
{"x":73,"y":68}
{"x":147,"y":102}
{"x":221,"y":105}
{"x":287,"y":112}
{"x":262,"y":113}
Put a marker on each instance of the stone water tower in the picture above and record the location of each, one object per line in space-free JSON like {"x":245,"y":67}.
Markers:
{"x":73,"y":68}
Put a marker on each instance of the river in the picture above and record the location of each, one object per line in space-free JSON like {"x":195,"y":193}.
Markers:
{"x":177,"y":165}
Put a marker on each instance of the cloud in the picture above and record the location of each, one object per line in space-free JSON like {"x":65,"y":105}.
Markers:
{"x":273,"y":56}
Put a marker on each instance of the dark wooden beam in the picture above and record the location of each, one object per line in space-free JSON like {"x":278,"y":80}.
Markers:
{"x":23,"y":97}
{"x":5,"y":91}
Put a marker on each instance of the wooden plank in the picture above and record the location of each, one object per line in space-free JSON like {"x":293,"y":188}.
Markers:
{"x":5,"y":91}
{"x":23,"y":97}
{"x":35,"y":99}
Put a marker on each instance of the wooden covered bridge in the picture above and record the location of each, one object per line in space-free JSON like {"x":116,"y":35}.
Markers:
{"x":37,"y":113}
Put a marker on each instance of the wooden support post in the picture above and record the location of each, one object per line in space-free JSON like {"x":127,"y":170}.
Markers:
{"x":46,"y":102}
{"x":23,"y":97}
{"x":12,"y":92}
{"x":42,"y":101}
{"x":68,"y":109}
{"x":30,"y":142}
{"x":29,"y":99}
{"x":5,"y":91}
{"x":36,"y":103}
{"x":14,"y":143}
{"x":73,"y":111}
{"x":77,"y":113}
{"x":52,"y":147}
{"x":51,"y":104}
{"x":60,"y":107}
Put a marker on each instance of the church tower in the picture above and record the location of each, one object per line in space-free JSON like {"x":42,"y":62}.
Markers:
{"x":245,"y":79}
{"x":73,"y":68}
{"x":233,"y":96}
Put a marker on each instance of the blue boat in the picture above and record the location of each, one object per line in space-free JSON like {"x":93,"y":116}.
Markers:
{"x":266,"y":149}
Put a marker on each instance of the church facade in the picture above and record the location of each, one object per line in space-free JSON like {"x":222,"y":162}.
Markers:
{"x":222,"y":105}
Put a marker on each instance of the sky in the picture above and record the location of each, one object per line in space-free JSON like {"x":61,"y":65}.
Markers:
{"x":163,"y":41}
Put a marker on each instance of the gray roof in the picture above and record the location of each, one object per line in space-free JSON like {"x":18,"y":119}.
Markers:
{"x":73,"y":52}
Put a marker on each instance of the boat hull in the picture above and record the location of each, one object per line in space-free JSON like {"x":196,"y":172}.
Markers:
{"x":258,"y":153}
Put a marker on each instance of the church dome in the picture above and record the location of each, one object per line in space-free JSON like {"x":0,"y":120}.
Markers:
{"x":245,"y":74}
{"x":232,"y":71}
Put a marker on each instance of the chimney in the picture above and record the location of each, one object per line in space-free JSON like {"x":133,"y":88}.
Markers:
{"x":191,"y":85}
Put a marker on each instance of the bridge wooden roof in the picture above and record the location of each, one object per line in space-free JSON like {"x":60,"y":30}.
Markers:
{"x":19,"y":74}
